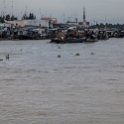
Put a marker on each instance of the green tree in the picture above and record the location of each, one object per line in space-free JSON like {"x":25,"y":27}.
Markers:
{"x":31,"y":16}
{"x":2,"y":19}
{"x":7,"y":17}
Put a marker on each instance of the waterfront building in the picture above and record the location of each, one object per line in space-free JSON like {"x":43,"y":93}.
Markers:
{"x":51,"y":20}
{"x":60,"y":25}
{"x":36,"y":23}
{"x":1,"y":27}
{"x":72,"y":24}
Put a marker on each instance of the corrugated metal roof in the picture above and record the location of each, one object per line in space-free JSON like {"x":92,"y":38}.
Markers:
{"x":2,"y":25}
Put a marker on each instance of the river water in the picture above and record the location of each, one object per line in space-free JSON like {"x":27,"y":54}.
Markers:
{"x":38,"y":87}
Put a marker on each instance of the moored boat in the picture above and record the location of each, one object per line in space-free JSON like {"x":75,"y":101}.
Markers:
{"x":90,"y":40}
{"x":67,"y":40}
{"x":78,"y":40}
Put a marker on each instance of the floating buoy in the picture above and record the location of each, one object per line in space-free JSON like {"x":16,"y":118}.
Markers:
{"x":59,"y":56}
{"x":7,"y":56}
{"x":1,"y":59}
{"x":92,"y":53}
{"x":77,"y":54}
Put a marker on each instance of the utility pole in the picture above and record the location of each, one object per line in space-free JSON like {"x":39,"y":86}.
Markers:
{"x":84,"y":15}
{"x":63,"y":18}
{"x":26,"y":10}
{"x":4,"y":8}
{"x":12,"y":8}
{"x":40,"y":12}
{"x":105,"y":20}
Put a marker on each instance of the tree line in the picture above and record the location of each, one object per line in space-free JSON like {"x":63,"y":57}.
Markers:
{"x":9,"y":17}
{"x":107,"y":25}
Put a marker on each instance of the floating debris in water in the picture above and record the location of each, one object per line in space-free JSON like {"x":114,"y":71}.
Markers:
{"x":7,"y":56}
{"x":77,"y":54}
{"x":92,"y":53}
{"x":59,"y":47}
{"x":21,"y":50}
{"x":59,"y":56}
{"x":1,"y":59}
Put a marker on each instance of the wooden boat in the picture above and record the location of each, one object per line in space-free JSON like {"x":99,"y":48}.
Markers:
{"x":28,"y":33}
{"x":67,"y":40}
{"x":81,"y":40}
{"x":90,"y":40}
{"x":103,"y":35}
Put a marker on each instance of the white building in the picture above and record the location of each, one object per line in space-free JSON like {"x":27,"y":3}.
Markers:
{"x":36,"y":22}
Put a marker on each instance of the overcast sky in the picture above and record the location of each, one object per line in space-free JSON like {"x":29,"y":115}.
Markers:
{"x":110,"y":11}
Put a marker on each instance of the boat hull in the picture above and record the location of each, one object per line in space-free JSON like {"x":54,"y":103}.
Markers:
{"x":74,"y":41}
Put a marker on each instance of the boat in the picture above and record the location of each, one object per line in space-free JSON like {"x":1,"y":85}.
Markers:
{"x":29,"y":33}
{"x":103,"y":35}
{"x":67,"y":40}
{"x":77,"y":40}
{"x":90,"y":40}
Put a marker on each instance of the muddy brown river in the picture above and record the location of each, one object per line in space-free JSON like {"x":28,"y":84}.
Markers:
{"x":45,"y":83}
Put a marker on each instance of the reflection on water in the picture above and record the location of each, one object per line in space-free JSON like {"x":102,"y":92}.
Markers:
{"x":37,"y":87}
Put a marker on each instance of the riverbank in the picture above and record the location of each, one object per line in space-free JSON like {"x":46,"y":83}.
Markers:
{"x":3,"y":39}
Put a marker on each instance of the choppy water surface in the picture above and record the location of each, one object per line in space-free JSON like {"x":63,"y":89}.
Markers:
{"x":37,"y":87}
